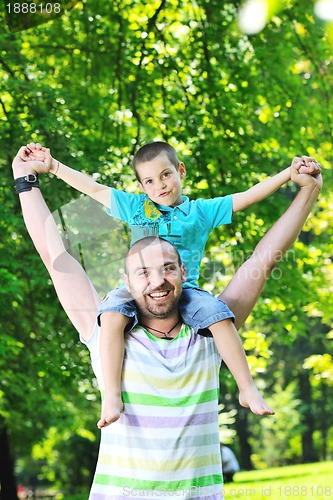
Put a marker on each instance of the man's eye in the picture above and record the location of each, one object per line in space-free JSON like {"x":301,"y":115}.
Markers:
{"x":169,"y":268}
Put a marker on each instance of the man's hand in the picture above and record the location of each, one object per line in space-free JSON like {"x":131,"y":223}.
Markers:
{"x":306,"y":171}
{"x":20,"y":166}
{"x":39,"y":158}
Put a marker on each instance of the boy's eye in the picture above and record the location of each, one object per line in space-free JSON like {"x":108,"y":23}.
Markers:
{"x":149,"y":181}
{"x":166,"y":174}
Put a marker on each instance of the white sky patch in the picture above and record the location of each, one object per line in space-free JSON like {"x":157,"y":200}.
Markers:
{"x":324,"y":9}
{"x":252,"y":16}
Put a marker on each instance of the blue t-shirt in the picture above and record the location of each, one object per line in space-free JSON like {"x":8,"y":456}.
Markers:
{"x":187,"y":226}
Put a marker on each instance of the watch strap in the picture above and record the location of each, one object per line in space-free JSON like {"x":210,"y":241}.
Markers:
{"x":25,"y":183}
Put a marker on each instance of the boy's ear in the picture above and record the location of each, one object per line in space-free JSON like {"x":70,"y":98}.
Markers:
{"x":181,"y":169}
{"x":141,"y":186}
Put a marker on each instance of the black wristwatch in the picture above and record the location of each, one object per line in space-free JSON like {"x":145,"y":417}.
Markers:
{"x":25,"y":183}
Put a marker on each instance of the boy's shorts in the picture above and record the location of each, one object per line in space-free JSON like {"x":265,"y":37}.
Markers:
{"x":198,"y":308}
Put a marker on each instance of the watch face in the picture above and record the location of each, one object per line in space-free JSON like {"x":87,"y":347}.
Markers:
{"x":31,"y":178}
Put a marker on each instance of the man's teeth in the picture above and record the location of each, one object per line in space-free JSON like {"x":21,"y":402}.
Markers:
{"x":158,"y":294}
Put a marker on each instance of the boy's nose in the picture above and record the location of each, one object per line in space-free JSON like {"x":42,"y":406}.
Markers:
{"x":161,"y":184}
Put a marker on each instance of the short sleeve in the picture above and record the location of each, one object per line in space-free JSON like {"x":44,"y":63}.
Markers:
{"x":217,"y":211}
{"x":123,"y":205}
{"x":93,"y":345}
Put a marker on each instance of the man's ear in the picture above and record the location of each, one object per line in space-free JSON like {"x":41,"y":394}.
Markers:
{"x":125,"y":277}
{"x":183,"y":273}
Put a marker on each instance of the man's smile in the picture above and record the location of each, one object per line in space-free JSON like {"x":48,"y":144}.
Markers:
{"x":159,"y":295}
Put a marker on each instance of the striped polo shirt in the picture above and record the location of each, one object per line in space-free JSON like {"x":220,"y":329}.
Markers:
{"x":166,"y":443}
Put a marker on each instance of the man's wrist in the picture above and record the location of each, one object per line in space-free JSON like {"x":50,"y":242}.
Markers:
{"x":312,"y":187}
{"x":20,"y":172}
{"x":26,"y":183}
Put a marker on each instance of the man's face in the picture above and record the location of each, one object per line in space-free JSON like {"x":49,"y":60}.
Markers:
{"x":154,"y":278}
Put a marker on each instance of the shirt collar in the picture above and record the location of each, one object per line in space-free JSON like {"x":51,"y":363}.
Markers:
{"x":184,"y":206}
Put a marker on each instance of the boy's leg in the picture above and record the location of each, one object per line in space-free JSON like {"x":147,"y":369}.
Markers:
{"x":232,"y":352}
{"x":242,"y":292}
{"x":113,"y":326}
{"x":201,"y":310}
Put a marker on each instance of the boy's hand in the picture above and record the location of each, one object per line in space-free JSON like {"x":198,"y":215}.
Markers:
{"x":39,"y":158}
{"x":309,"y":165}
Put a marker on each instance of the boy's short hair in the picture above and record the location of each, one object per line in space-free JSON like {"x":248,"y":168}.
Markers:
{"x":149,"y":151}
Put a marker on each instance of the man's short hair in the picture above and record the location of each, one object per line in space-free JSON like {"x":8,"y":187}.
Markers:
{"x":145,"y":242}
{"x":150,"y":151}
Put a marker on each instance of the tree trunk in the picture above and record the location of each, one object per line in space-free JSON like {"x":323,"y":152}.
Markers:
{"x":325,"y":418}
{"x":242,"y":429}
{"x":308,"y":451}
{"x":8,"y":490}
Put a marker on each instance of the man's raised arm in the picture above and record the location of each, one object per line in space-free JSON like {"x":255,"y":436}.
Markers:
{"x":74,"y":289}
{"x":243,"y":291}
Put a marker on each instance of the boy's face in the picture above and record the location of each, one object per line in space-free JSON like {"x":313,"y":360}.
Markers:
{"x":161,"y":181}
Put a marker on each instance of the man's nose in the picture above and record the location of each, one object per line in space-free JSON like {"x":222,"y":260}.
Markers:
{"x":156,"y":278}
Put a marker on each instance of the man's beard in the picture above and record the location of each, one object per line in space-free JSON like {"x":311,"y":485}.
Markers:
{"x":148,"y":308}
{"x":160,"y":311}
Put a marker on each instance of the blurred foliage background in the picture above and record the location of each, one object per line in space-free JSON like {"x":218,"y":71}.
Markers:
{"x":94,"y":85}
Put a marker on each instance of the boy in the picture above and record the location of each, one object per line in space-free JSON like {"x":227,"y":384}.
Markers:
{"x":164,"y":211}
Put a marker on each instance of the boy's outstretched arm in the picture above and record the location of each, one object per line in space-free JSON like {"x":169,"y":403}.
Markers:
{"x":243,"y":291}
{"x":82,"y":182}
{"x":74,"y":289}
{"x":263,"y":189}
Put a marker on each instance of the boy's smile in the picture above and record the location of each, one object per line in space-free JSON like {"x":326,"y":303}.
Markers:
{"x":161,"y":181}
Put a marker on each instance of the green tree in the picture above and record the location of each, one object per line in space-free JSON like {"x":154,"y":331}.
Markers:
{"x":103,"y":79}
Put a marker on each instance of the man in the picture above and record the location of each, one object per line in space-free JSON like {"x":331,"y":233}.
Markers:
{"x":167,"y":436}
{"x":230,"y":463}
